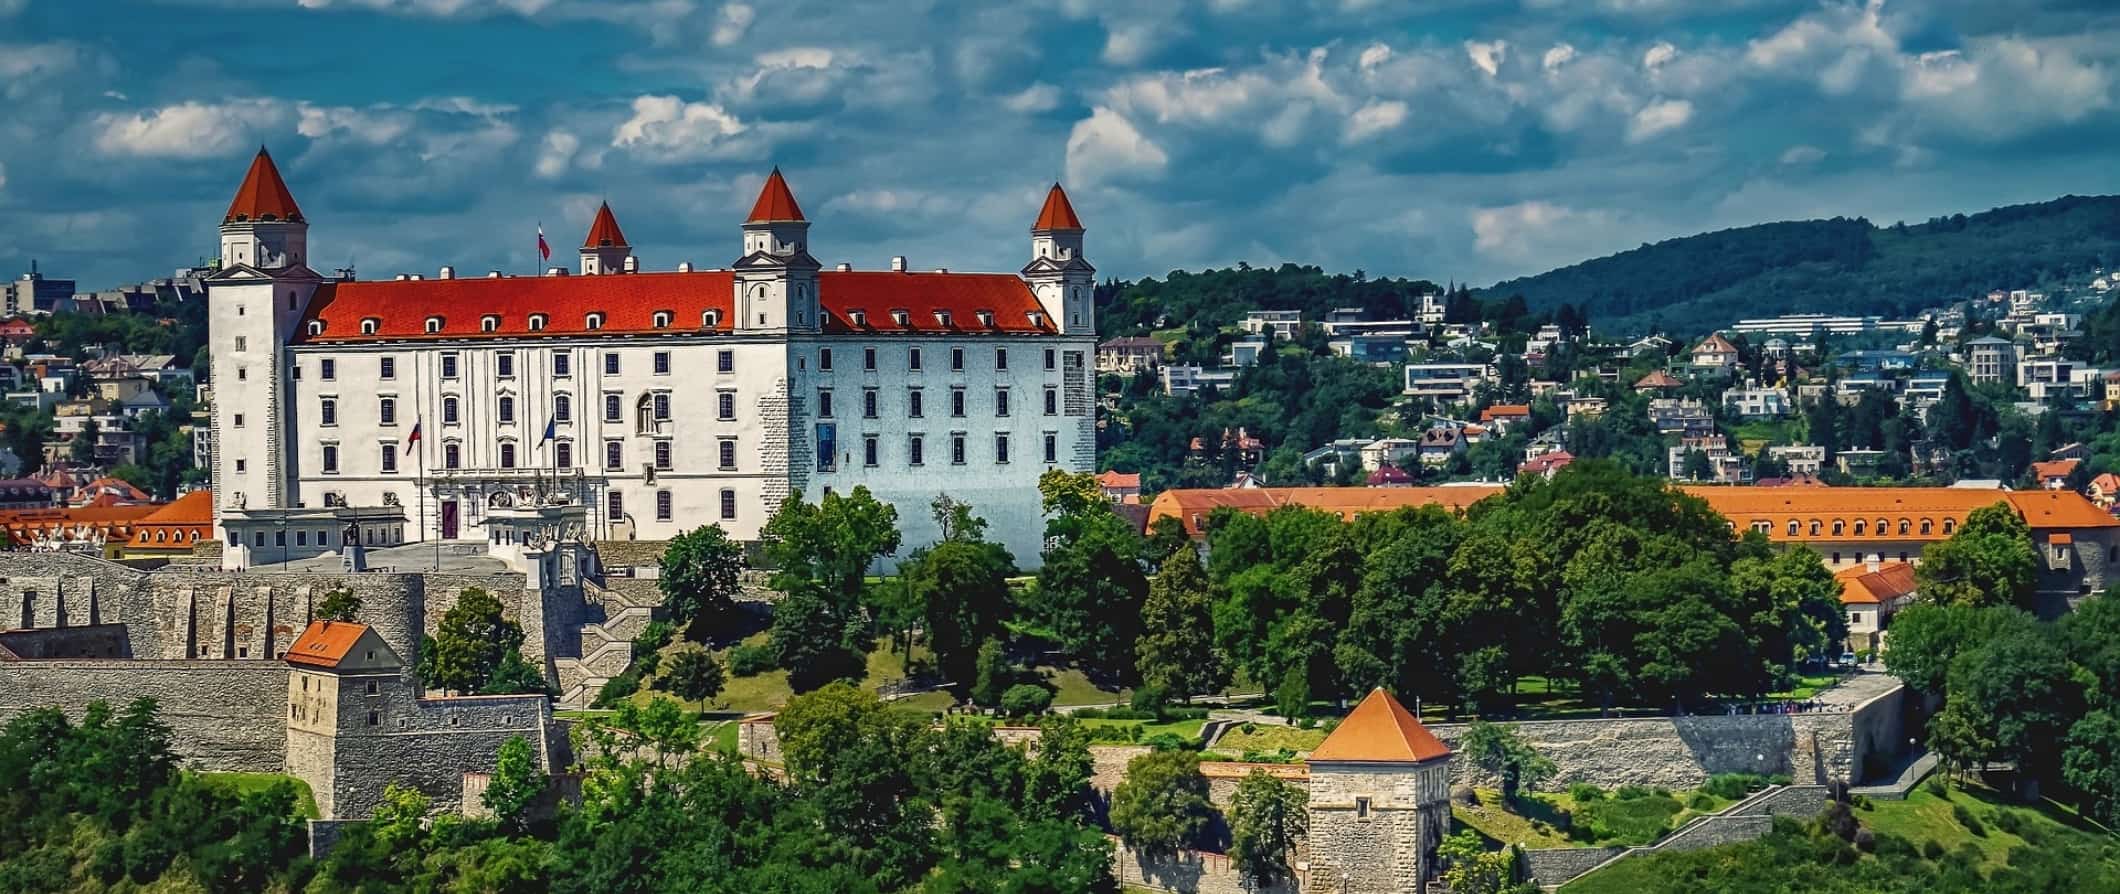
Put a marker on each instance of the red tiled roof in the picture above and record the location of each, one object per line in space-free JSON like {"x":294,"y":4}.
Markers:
{"x":629,"y":303}
{"x":1505,"y":411}
{"x":1389,"y":474}
{"x":1715,"y":343}
{"x":325,"y":643}
{"x":775,"y":202}
{"x":1546,"y":462}
{"x":2059,"y":468}
{"x":176,"y":525}
{"x":115,"y":523}
{"x":1057,"y":214}
{"x":263,"y":195}
{"x":1860,"y":585}
{"x":2107,"y":483}
{"x":1657,"y":379}
{"x":604,"y":232}
{"x":1119,"y":479}
{"x":1380,"y":729}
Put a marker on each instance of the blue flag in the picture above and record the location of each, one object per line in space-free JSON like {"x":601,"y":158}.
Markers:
{"x":551,"y":429}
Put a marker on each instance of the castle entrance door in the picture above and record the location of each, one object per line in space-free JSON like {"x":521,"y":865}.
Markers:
{"x":448,"y":519}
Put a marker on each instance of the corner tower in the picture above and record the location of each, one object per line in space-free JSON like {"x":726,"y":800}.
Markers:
{"x":255,"y":303}
{"x":1379,"y":802}
{"x":606,"y":251}
{"x":1064,"y":282}
{"x":776,"y":279}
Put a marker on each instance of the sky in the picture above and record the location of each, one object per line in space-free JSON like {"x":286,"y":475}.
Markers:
{"x":1445,"y":139}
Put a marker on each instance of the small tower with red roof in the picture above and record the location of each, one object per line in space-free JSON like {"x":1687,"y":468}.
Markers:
{"x":1058,"y":274}
{"x":776,"y":279}
{"x":1379,"y":801}
{"x":606,"y":251}
{"x":264,"y":228}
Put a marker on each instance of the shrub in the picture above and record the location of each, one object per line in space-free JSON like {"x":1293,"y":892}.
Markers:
{"x":618,"y":689}
{"x":1631,"y":792}
{"x":1702,"y":802}
{"x":1938,"y":787}
{"x":1779,"y":779}
{"x":1862,"y":802}
{"x":1149,"y":699}
{"x":1584,"y":793}
{"x":2010,"y":821}
{"x":1932,"y":850}
{"x":1168,"y":741}
{"x":750,"y":660}
{"x":1733,"y":786}
{"x":1249,"y":727}
{"x":1968,"y":820}
{"x":1025,"y":699}
{"x":1865,"y":840}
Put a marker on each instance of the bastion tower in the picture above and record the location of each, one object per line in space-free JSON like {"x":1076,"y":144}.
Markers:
{"x":1379,"y":802}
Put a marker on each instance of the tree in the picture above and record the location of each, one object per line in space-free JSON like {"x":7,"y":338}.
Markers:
{"x":1092,"y":584}
{"x":515,"y":785}
{"x":1790,"y":606}
{"x":2022,"y":691}
{"x":1176,"y":650}
{"x":1927,"y":637}
{"x":515,"y":675}
{"x":339,"y":605}
{"x":822,"y":553}
{"x":813,"y":642}
{"x":700,"y":570}
{"x":1988,"y":561}
{"x":1267,"y":816}
{"x":2088,"y":765}
{"x":846,"y":750}
{"x":993,"y":675}
{"x":1469,"y":867}
{"x":690,"y":673}
{"x":961,"y":585}
{"x":1697,"y":467}
{"x":469,"y":644}
{"x":1162,"y":804}
{"x":1502,"y":750}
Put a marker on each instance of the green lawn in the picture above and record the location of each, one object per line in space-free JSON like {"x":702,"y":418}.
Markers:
{"x":1072,"y":687}
{"x":1503,"y":826}
{"x":305,"y":801}
{"x":1270,"y":738}
{"x":769,"y":691}
{"x":1188,"y":730}
{"x":1545,"y":818}
{"x":1925,"y":817}
{"x":722,"y":736}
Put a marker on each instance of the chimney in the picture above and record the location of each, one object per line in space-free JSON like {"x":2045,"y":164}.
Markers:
{"x":685,"y":267}
{"x":632,"y":264}
{"x":898,"y":263}
{"x":446,"y":273}
{"x":844,"y":267}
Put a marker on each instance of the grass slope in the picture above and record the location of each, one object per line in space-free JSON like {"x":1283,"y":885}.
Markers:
{"x":305,"y":801}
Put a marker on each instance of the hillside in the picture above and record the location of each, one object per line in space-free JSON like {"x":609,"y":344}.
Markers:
{"x":1690,"y":284}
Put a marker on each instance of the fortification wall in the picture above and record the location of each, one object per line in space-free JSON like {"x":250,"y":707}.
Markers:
{"x":1190,"y":872}
{"x":223,"y":715}
{"x":432,"y":749}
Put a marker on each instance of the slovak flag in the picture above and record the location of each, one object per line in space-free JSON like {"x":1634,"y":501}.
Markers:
{"x":413,"y":438}
{"x":544,"y":251}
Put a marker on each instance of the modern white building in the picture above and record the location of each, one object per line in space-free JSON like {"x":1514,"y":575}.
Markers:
{"x":659,"y":402}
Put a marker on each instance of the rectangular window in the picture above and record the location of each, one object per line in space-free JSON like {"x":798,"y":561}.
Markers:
{"x":824,"y":358}
{"x":957,"y":402}
{"x":504,"y":364}
{"x":389,"y":458}
{"x":868,"y":450}
{"x":868,"y":358}
{"x":1049,"y":361}
{"x":242,"y":343}
{"x":331,"y":458}
{"x":868,"y":403}
{"x":662,"y":505}
{"x":505,"y":409}
{"x":387,"y":368}
{"x":239,"y":420}
{"x":1000,"y":358}
{"x":1052,"y":448}
{"x":610,"y":363}
{"x":507,"y":455}
{"x":1001,"y":401}
{"x":1001,"y":447}
{"x":913,"y":406}
{"x":615,"y":505}
{"x":728,"y":504}
{"x":957,"y":359}
{"x":957,"y":450}
{"x":614,"y":408}
{"x":386,"y":411}
{"x":327,"y":369}
{"x":725,"y":406}
{"x":824,"y":404}
{"x":662,"y":363}
{"x":1052,"y":401}
{"x":662,"y":405}
{"x":448,"y":366}
{"x":614,"y":455}
{"x":662,"y":454}
{"x":725,"y":361}
{"x":912,"y":358}
{"x":327,"y":411}
{"x":914,"y":452}
{"x":562,"y":364}
{"x":728,"y":454}
{"x":452,"y":456}
{"x":563,"y":454}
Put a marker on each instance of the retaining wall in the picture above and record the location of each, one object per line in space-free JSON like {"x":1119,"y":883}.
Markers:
{"x":1190,"y":872}
{"x":222,"y":715}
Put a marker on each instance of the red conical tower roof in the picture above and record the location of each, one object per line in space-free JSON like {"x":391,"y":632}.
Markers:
{"x":1380,"y":730}
{"x":604,"y":232}
{"x":263,"y":195}
{"x":1057,"y":213}
{"x":775,"y":202}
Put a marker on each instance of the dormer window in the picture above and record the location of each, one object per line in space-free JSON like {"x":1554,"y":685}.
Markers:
{"x":711,"y":319}
{"x":434,"y":325}
{"x":858,"y":317}
{"x":593,"y":322}
{"x":537,"y":322}
{"x":1037,"y":319}
{"x":986,"y":318}
{"x":489,"y":323}
{"x":662,"y":319}
{"x":900,"y":317}
{"x":942,"y":318}
{"x":316,"y":327}
{"x":370,"y":324}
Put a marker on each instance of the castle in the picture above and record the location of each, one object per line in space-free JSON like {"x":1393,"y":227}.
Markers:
{"x":416,"y":408}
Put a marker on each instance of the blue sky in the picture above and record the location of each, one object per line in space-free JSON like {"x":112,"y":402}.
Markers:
{"x":1439,"y":138}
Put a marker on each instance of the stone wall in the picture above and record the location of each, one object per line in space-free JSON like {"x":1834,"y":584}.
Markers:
{"x":223,"y":715}
{"x":432,"y":749}
{"x":1189,"y":872}
{"x":631,"y":553}
{"x":100,"y":641}
{"x":758,"y":740}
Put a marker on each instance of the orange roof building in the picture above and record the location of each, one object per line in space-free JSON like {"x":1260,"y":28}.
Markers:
{"x":776,"y":202}
{"x":1383,"y":779}
{"x":175,"y":528}
{"x":1879,"y":585}
{"x":1380,"y":730}
{"x":1058,"y":213}
{"x":1506,"y":413}
{"x":1193,"y":506}
{"x":111,"y":525}
{"x":263,"y":195}
{"x":341,"y":646}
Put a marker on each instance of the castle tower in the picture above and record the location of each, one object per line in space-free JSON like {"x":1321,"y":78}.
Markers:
{"x":776,"y":279}
{"x":606,"y":251}
{"x":1063,"y":281}
{"x":1379,"y":802}
{"x":255,"y":304}
{"x":343,"y":682}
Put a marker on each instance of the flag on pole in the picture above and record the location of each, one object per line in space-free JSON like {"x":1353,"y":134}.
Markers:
{"x":413,"y":438}
{"x":544,"y":252}
{"x":551,"y":430}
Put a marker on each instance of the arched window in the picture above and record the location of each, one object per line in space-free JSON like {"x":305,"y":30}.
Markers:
{"x":1814,"y":527}
{"x":316,"y":327}
{"x":1792,"y":527}
{"x":710,"y":319}
{"x":537,"y":322}
{"x":1949,"y":525}
{"x":1927,"y":525}
{"x":369,"y":325}
{"x":662,"y":319}
{"x":1839,"y":527}
{"x":593,"y":321}
{"x":489,"y":323}
{"x":562,"y":408}
{"x":1859,"y":526}
{"x":434,"y":324}
{"x":452,"y":455}
{"x":1905,"y":526}
{"x":644,"y":414}
{"x":505,"y":409}
{"x":507,"y":455}
{"x":449,"y":410}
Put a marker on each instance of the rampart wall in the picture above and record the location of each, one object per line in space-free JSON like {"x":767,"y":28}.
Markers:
{"x":223,"y":715}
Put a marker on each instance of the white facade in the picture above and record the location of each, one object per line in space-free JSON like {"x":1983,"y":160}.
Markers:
{"x":660,"y":402}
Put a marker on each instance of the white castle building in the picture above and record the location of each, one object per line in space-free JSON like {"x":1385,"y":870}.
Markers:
{"x":655,"y":402}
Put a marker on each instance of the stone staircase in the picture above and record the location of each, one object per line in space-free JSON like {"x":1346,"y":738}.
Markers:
{"x":607,"y":644}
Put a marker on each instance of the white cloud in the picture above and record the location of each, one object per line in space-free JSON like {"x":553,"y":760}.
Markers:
{"x":1557,"y":57}
{"x":1801,"y":154}
{"x":21,"y":62}
{"x":667,"y":128}
{"x":1488,"y":56}
{"x":437,"y":8}
{"x":1105,"y":145}
{"x":1129,"y":44}
{"x":1039,"y":97}
{"x":1374,"y":55}
{"x":11,"y":7}
{"x":556,"y":153}
{"x":732,"y":23}
{"x":189,"y":129}
{"x":373,"y":127}
{"x":1657,"y":55}
{"x":1658,"y":117}
{"x":1503,"y":231}
{"x":1374,"y":118}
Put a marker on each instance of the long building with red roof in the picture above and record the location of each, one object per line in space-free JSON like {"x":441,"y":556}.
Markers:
{"x":660,"y":401}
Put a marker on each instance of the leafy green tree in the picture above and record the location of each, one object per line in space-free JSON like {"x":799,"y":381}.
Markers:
{"x":961,"y":585}
{"x":1176,"y":650}
{"x":1503,"y":751}
{"x":470,"y":643}
{"x":1988,"y":561}
{"x":1162,"y":804}
{"x":690,"y":673}
{"x":814,"y":642}
{"x":82,"y":449}
{"x":822,"y":553}
{"x":1469,"y":867}
{"x":994,"y":675}
{"x":1401,"y":634}
{"x":699,"y":579}
{"x":1267,"y":817}
{"x":339,"y":605}
{"x":515,"y":785}
{"x":1927,"y":637}
{"x":1093,"y":582}
{"x":2021,"y":689}
{"x":1056,"y":775}
{"x":515,"y":675}
{"x":1789,"y":606}
{"x":2087,"y":764}
{"x":846,"y":750}
{"x":1697,"y":467}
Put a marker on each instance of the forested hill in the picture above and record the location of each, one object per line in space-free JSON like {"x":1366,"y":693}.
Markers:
{"x":1220,"y":297}
{"x":1691,"y":284}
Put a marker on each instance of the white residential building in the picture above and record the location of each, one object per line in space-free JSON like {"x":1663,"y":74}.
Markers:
{"x":1444,"y":381}
{"x":659,"y":402}
{"x":1753,"y":401}
{"x":1282,"y":325}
